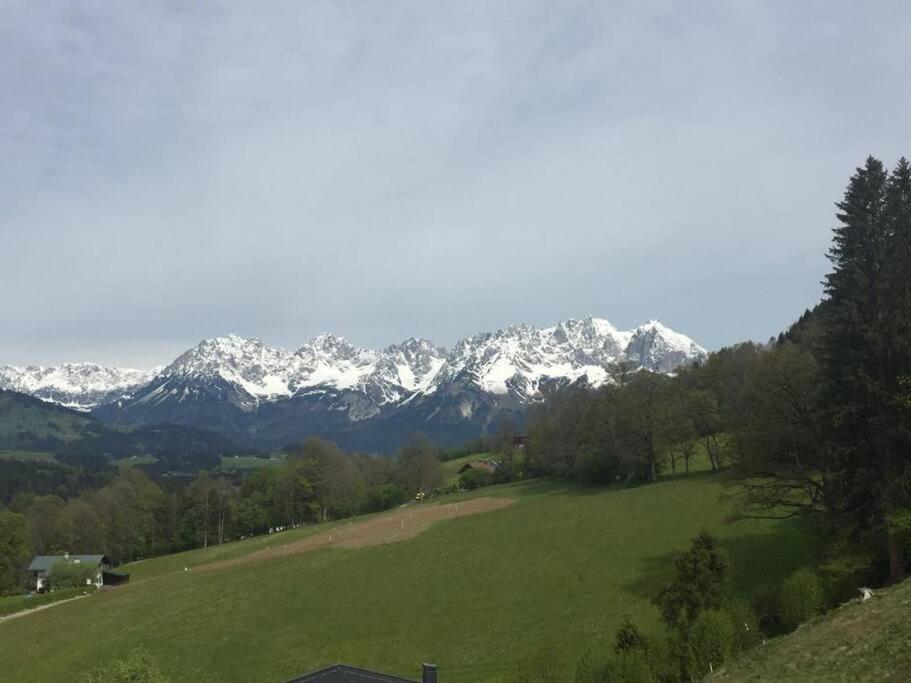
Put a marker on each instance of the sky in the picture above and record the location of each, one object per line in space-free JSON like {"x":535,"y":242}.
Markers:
{"x":172,"y":171}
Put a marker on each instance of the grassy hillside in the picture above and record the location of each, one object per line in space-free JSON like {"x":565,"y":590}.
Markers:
{"x":20,"y":414}
{"x":860,"y":641}
{"x":451,"y":467}
{"x":474,"y":594}
{"x":29,"y":425}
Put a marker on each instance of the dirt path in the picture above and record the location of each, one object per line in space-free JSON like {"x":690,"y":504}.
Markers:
{"x":388,"y":528}
{"x":16,"y":615}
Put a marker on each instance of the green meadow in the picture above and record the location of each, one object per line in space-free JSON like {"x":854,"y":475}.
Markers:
{"x":476,"y":594}
{"x":36,"y":456}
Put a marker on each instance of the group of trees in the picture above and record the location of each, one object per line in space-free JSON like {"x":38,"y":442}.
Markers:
{"x":706,"y":623}
{"x":133,"y":516}
{"x":631,"y":428}
{"x":815,"y":423}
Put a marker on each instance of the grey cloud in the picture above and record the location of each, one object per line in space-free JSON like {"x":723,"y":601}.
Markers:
{"x":435,"y":169}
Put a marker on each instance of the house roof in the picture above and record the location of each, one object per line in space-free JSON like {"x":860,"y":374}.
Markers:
{"x":486,"y":465}
{"x":342,"y":673}
{"x":43,"y":563}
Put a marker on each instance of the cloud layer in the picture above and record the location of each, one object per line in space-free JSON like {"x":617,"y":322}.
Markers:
{"x":382,"y":170}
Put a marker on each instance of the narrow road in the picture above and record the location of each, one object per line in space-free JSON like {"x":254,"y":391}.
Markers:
{"x":14,"y":615}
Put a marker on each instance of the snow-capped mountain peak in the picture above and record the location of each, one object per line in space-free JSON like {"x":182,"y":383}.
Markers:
{"x":509,"y":366}
{"x":81,"y":386}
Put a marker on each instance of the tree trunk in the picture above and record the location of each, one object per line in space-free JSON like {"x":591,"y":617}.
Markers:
{"x":896,"y":561}
{"x":652,"y":474}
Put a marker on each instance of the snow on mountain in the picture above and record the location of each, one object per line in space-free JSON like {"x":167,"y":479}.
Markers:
{"x":362,"y":383}
{"x":658,"y":348}
{"x":519,"y":358}
{"x":81,"y":386}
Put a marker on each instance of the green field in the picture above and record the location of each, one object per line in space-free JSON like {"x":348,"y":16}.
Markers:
{"x":18,"y":414}
{"x":859,"y":641}
{"x":9,"y":604}
{"x":133,"y":460}
{"x":249,"y":462}
{"x":476,"y":594}
{"x":451,"y":467}
{"x":26,"y":455}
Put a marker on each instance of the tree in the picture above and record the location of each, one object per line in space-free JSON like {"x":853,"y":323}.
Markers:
{"x":14,"y":549}
{"x":224,"y":505}
{"x":339,"y":485}
{"x":71,"y":573}
{"x":709,"y":642}
{"x":203,"y":503}
{"x":419,"y":470}
{"x":780,"y":462}
{"x":556,"y":430}
{"x":87,"y":528}
{"x":294,"y":491}
{"x":705,"y":417}
{"x":474,"y":479}
{"x":47,"y":524}
{"x":801,"y":597}
{"x":865,"y":353}
{"x":702,"y":582}
{"x":628,"y":638}
{"x":639,"y":418}
{"x":677,"y":430}
{"x":505,"y":439}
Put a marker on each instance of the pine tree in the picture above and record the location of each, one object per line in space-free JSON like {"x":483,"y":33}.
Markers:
{"x":859,"y":355}
{"x":896,"y":467}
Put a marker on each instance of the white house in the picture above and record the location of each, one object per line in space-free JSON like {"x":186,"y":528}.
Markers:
{"x":41,"y":567}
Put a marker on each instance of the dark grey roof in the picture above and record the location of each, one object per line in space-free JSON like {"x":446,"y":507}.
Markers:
{"x":342,"y":673}
{"x":43,"y":563}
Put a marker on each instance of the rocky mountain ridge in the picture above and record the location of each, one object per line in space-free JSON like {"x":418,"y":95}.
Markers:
{"x":260,"y":394}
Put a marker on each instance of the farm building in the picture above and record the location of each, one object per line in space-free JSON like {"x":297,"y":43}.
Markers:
{"x":40,"y":569}
{"x":482,"y":465}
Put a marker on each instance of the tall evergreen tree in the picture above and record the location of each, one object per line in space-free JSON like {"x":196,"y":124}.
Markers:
{"x":858,"y":358}
{"x":896,"y":467}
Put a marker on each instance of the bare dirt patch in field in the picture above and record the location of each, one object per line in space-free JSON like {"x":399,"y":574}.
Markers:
{"x":387,"y":528}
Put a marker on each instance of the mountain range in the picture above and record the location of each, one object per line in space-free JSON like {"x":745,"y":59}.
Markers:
{"x":262,"y":396}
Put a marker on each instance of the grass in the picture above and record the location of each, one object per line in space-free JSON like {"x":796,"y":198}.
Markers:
{"x":10,"y":604}
{"x":476,"y":595}
{"x":229,"y":463}
{"x":859,"y":641}
{"x":451,"y":467}
{"x":18,"y":414}
{"x":26,"y":455}
{"x":133,"y":460}
{"x":249,"y":462}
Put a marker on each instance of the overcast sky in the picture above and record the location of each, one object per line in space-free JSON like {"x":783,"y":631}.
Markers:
{"x":171,"y":171}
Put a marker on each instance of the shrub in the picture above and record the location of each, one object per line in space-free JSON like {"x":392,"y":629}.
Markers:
{"x":629,"y":639}
{"x":709,"y":641}
{"x":137,"y":667}
{"x":765,"y":604}
{"x":385,"y":496}
{"x":745,"y":624}
{"x":71,"y":574}
{"x":702,"y":582}
{"x":801,"y":597}
{"x":475,"y":479}
{"x":631,"y":666}
{"x":846,"y":568}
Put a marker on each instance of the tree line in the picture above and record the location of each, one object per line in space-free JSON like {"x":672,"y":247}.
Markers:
{"x":132,"y":516}
{"x":815,"y":423}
